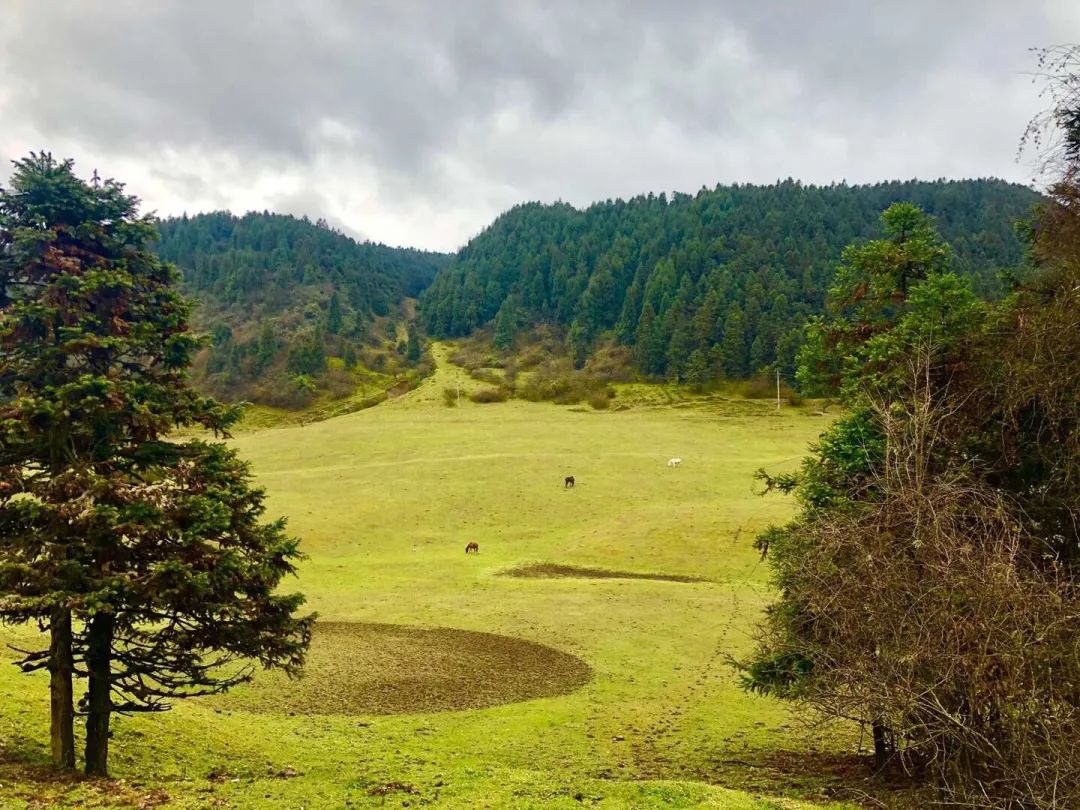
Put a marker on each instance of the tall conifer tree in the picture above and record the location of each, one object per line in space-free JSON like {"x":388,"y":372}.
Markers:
{"x":143,"y":557}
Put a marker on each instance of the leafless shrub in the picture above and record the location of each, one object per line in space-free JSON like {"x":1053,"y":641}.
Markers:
{"x":934,"y":614}
{"x":1054,"y":134}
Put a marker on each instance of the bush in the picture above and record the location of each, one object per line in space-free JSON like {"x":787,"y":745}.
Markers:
{"x":283,"y":391}
{"x":425,"y":368}
{"x":760,"y":387}
{"x":612,"y":363}
{"x":531,"y":359}
{"x":337,"y":383}
{"x":485,"y":395}
{"x":562,"y":387}
{"x":763,"y":386}
{"x":462,"y":359}
{"x":475,"y":352}
{"x":450,"y":397}
{"x":486,"y":375}
{"x":542,"y":387}
{"x":600,"y":400}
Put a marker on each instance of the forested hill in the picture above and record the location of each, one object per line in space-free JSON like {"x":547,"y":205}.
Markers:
{"x":281,"y":295}
{"x":715,"y":284}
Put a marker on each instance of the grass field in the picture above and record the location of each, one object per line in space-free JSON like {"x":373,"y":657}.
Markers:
{"x":438,"y":678}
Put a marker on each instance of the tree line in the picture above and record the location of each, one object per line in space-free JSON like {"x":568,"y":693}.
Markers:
{"x":704,"y":286}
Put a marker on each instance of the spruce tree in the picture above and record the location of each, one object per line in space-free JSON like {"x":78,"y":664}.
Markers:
{"x":350,"y":357}
{"x":869,"y":293}
{"x":894,"y":309}
{"x":649,"y":343}
{"x":734,"y":343}
{"x":412,"y":348}
{"x":506,"y":324}
{"x":697,"y":369}
{"x":142,"y":556}
{"x":335,"y":317}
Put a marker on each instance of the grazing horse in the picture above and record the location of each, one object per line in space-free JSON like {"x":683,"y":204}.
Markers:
{"x":474,"y":546}
{"x":569,"y":482}
{"x":674,"y":462}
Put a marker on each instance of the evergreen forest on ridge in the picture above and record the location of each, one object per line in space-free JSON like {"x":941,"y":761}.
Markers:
{"x":706,"y":286}
{"x":280,"y":295}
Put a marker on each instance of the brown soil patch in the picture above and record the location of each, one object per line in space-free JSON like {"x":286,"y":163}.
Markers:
{"x":365,"y":669}
{"x":552,"y":570}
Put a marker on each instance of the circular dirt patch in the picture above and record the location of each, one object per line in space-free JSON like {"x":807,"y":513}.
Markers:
{"x":390,"y":669}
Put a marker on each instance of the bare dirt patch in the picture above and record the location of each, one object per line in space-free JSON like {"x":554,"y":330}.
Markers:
{"x":372,"y":669}
{"x":554,"y":570}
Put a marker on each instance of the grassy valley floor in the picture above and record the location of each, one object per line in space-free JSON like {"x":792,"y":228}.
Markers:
{"x":439,"y":679}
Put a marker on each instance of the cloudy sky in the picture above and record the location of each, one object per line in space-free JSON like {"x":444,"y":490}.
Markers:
{"x":415,"y":123}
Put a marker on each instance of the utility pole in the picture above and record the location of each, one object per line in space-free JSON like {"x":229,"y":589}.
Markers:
{"x":778,"y":390}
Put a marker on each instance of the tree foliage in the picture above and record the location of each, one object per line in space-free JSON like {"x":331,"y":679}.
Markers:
{"x":142,"y":554}
{"x":929,"y":585}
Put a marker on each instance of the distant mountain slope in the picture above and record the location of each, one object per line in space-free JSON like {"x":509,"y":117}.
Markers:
{"x":715,"y":284}
{"x":282,"y":295}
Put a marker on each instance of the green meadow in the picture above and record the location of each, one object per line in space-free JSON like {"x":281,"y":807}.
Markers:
{"x":443,"y":679}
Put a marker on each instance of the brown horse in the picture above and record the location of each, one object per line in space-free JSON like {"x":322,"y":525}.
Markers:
{"x":569,"y":482}
{"x":472,"y":547}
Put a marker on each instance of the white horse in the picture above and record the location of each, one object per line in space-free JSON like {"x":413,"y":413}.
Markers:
{"x":674,"y":462}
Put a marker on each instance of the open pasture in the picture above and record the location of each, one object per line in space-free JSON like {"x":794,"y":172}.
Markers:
{"x":597,"y":679}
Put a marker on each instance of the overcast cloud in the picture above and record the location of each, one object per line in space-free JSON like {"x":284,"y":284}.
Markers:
{"x":416,"y":123}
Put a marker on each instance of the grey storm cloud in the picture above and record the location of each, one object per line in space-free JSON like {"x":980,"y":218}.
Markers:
{"x":417,"y":122}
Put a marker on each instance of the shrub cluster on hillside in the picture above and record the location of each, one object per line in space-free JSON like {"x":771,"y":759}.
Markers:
{"x":541,"y":371}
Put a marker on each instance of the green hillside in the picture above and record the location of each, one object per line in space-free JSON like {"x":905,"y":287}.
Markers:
{"x":700,"y":287}
{"x":283,"y":296}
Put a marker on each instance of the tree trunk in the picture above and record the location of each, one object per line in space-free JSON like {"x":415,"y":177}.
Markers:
{"x":99,"y":640}
{"x":882,"y":749}
{"x":61,"y":667}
